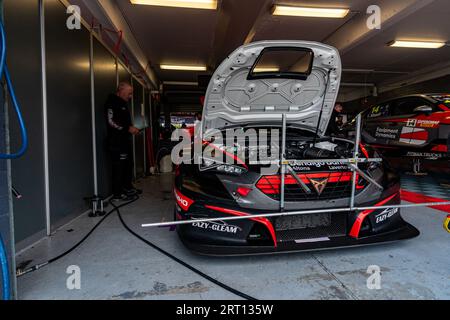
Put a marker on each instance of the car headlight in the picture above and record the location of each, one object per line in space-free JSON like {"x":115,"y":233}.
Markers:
{"x":223,"y":166}
{"x":210,"y":165}
{"x":230,"y":169}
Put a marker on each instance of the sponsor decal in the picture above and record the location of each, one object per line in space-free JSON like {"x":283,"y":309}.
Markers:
{"x":300,"y":168}
{"x":422,"y":123}
{"x":411,"y":122}
{"x":386,"y":214}
{"x":354,"y":232}
{"x":183,"y":201}
{"x":337,"y":168}
{"x":428,"y":123}
{"x":310,"y":166}
{"x":219,"y":226}
{"x":266,"y":222}
{"x":424,"y":154}
{"x":386,"y":133}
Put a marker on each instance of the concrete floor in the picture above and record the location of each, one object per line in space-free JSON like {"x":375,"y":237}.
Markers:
{"x":115,"y":265}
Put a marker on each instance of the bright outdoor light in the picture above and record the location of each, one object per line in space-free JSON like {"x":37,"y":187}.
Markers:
{"x":193,"y":4}
{"x":182,"y":68}
{"x":417,"y":44}
{"x":180,"y":83}
{"x":309,"y":12}
{"x":266,"y":69}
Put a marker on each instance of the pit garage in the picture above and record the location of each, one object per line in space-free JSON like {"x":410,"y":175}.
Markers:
{"x":355,"y":200}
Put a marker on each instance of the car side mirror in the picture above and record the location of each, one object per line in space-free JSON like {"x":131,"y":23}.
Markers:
{"x":423,"y":109}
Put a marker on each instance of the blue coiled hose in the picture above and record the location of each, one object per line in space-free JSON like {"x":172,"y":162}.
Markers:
{"x":5,"y":271}
{"x":4,"y":70}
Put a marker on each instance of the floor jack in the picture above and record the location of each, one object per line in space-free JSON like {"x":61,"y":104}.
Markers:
{"x":447,"y":223}
{"x":98,"y":207}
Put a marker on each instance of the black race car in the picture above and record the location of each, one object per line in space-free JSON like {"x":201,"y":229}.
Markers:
{"x":237,"y":171}
{"x":414,"y":126}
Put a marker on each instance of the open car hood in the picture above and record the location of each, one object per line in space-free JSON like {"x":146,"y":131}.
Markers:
{"x":236,"y":97}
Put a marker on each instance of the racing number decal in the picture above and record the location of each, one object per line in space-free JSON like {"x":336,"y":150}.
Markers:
{"x":375,"y":112}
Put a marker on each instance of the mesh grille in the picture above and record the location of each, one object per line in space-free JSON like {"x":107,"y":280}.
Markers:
{"x":337,"y":227}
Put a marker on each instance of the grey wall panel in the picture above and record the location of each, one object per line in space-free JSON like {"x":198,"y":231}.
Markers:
{"x":24,"y":62}
{"x":139,"y":155}
{"x":5,"y":226}
{"x":69,"y":114}
{"x":124,"y":75}
{"x":147,"y":108}
{"x":139,"y":123}
{"x":138,"y":100}
{"x":105,"y":84}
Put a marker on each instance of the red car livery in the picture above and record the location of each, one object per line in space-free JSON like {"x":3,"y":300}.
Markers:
{"x":414,"y":126}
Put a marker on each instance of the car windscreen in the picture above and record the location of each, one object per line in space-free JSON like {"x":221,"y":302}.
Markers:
{"x":283,"y":62}
{"x":442,"y":99}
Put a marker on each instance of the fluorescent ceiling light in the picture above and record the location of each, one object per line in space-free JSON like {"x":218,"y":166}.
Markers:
{"x":182,"y":68}
{"x":309,"y":12}
{"x":266,"y":69}
{"x":193,"y":4}
{"x":417,"y":44}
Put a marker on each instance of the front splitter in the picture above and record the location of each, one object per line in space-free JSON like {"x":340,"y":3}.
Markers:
{"x":406,"y":232}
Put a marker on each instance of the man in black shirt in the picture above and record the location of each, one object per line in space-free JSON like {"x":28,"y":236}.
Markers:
{"x":333,"y":125}
{"x":120,"y":132}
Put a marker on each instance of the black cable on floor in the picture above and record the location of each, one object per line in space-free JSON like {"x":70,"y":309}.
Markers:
{"x":20,"y":273}
{"x":200,"y":273}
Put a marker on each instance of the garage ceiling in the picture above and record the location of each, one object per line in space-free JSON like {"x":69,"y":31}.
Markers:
{"x":205,"y":37}
{"x":312,"y":29}
{"x":431,"y":22}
